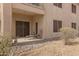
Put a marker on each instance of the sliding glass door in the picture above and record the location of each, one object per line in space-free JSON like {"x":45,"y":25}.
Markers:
{"x":22,"y":28}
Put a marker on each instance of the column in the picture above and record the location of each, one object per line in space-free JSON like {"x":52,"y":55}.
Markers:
{"x":6,"y":18}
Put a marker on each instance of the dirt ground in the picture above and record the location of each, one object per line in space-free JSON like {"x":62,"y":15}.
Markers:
{"x":54,"y":48}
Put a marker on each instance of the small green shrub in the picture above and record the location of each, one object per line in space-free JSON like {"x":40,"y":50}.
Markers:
{"x":68,"y":34}
{"x":5,"y":45}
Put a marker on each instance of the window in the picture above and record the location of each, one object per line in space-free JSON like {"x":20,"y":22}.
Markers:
{"x":37,"y":4}
{"x":73,"y":8}
{"x":74,"y":25}
{"x":58,"y":4}
{"x":57,"y":25}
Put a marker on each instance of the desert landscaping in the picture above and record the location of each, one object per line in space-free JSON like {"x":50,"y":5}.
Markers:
{"x":54,"y":48}
{"x":66,"y":45}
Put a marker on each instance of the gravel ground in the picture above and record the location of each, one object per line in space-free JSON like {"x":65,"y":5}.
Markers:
{"x":54,"y":48}
{"x":28,"y":44}
{"x":49,"y":48}
{"x":19,"y":49}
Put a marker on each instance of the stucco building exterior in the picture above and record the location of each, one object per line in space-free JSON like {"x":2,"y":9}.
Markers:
{"x":22,"y":19}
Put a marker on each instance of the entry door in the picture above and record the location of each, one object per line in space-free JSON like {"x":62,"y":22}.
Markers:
{"x":22,"y":28}
{"x":36,"y":28}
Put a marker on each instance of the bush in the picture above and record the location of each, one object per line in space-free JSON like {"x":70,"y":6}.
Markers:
{"x":68,"y":34}
{"x":5,"y":45}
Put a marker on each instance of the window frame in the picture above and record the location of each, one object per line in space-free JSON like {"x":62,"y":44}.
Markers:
{"x":36,"y":4}
{"x":73,"y":25}
{"x":74,"y":8}
{"x":57,"y":24}
{"x":58,"y":5}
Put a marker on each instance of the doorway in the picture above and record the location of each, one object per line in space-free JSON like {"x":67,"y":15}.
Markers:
{"x":36,"y":28}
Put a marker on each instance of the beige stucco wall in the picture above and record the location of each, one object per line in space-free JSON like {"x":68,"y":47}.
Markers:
{"x":0,"y":17}
{"x":28,"y":8}
{"x":39,"y":20}
{"x":54,"y":13}
{"x":44,"y":17}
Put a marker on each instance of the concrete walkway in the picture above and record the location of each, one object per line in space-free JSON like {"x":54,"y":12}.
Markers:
{"x":20,"y":40}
